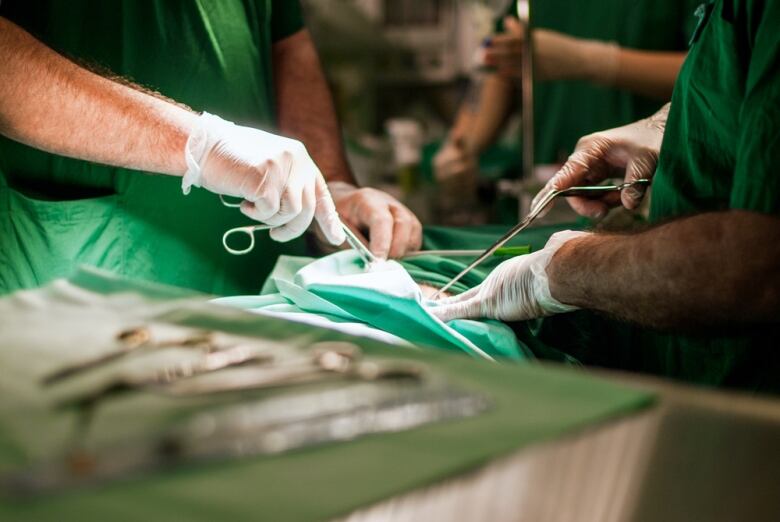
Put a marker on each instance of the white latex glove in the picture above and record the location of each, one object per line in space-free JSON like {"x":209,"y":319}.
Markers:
{"x":517,"y":290}
{"x":393,"y":230}
{"x":556,"y":56}
{"x":630,"y":151}
{"x":453,"y":161}
{"x":279,"y":182}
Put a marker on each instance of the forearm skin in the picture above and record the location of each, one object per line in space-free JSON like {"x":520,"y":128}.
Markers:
{"x":50,"y":103}
{"x":648,"y":73}
{"x":305,"y":109}
{"x":706,"y":271}
{"x":479,"y":123}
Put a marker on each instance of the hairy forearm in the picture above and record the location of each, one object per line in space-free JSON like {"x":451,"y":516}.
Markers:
{"x":50,"y":103}
{"x":481,"y":119}
{"x":648,"y":73}
{"x":709,"y":270}
{"x":305,"y":109}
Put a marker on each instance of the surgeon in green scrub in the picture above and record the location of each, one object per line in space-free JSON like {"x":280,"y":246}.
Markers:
{"x":701,"y":288}
{"x":599,"y":64}
{"x":200,"y":91}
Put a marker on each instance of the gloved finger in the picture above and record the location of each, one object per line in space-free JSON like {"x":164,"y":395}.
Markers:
{"x":569,"y":175}
{"x":458,"y":298}
{"x":257,"y":211}
{"x":592,"y":208}
{"x":325,"y":213}
{"x":611,"y":199}
{"x":380,"y":228}
{"x":468,"y":309}
{"x":542,"y":195}
{"x":290,"y":206}
{"x":403,"y":224}
{"x":265,"y":200}
{"x":586,"y":164}
{"x":291,"y":200}
{"x":638,"y":168}
{"x":363,"y":239}
{"x":416,"y":239}
{"x":298,"y":225}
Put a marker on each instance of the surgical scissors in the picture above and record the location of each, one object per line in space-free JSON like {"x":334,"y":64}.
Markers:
{"x":589,"y":191}
{"x":362,"y":250}
{"x":249,"y":230}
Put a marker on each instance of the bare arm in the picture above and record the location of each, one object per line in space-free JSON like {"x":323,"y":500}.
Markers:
{"x":562,"y":57}
{"x":481,"y":118}
{"x":647,"y":73}
{"x":305,"y":111}
{"x":708,"y":270}
{"x":50,"y":103}
{"x":305,"y":106}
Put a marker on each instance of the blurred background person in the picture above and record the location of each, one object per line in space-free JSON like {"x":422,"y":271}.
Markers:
{"x":597,"y":65}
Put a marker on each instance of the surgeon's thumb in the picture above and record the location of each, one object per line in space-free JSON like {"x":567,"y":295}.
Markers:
{"x":325,"y":214}
{"x":638,"y":168}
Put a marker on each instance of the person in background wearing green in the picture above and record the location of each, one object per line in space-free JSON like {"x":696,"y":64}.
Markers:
{"x":71,"y":136}
{"x":701,"y":288}
{"x":598,"y":64}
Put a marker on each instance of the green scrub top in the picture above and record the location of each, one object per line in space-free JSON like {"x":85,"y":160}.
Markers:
{"x":56,"y":213}
{"x":567,"y":110}
{"x":721,"y":150}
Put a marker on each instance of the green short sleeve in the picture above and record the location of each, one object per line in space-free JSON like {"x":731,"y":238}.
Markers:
{"x":757,"y":174}
{"x":286,"y":18}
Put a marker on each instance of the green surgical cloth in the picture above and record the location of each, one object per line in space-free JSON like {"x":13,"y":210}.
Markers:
{"x":336,"y":291}
{"x":57,"y":213}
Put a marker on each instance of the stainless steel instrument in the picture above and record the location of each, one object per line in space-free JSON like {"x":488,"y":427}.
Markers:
{"x":588,"y":191}
{"x":249,"y":230}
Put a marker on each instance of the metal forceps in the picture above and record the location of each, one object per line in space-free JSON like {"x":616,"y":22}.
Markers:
{"x":362,"y":250}
{"x":357,"y":245}
{"x":589,"y":191}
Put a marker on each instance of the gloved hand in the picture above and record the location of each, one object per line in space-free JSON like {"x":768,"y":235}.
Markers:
{"x":454,"y":161}
{"x":393,"y":230}
{"x":556,"y":56}
{"x":279,"y":182}
{"x":631,"y":151}
{"x":518,"y":289}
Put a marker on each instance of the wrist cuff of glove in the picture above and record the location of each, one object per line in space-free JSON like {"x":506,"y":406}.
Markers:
{"x":199,"y":142}
{"x":547,"y":302}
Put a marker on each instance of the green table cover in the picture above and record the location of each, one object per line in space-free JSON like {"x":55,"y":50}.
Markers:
{"x":42,"y":329}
